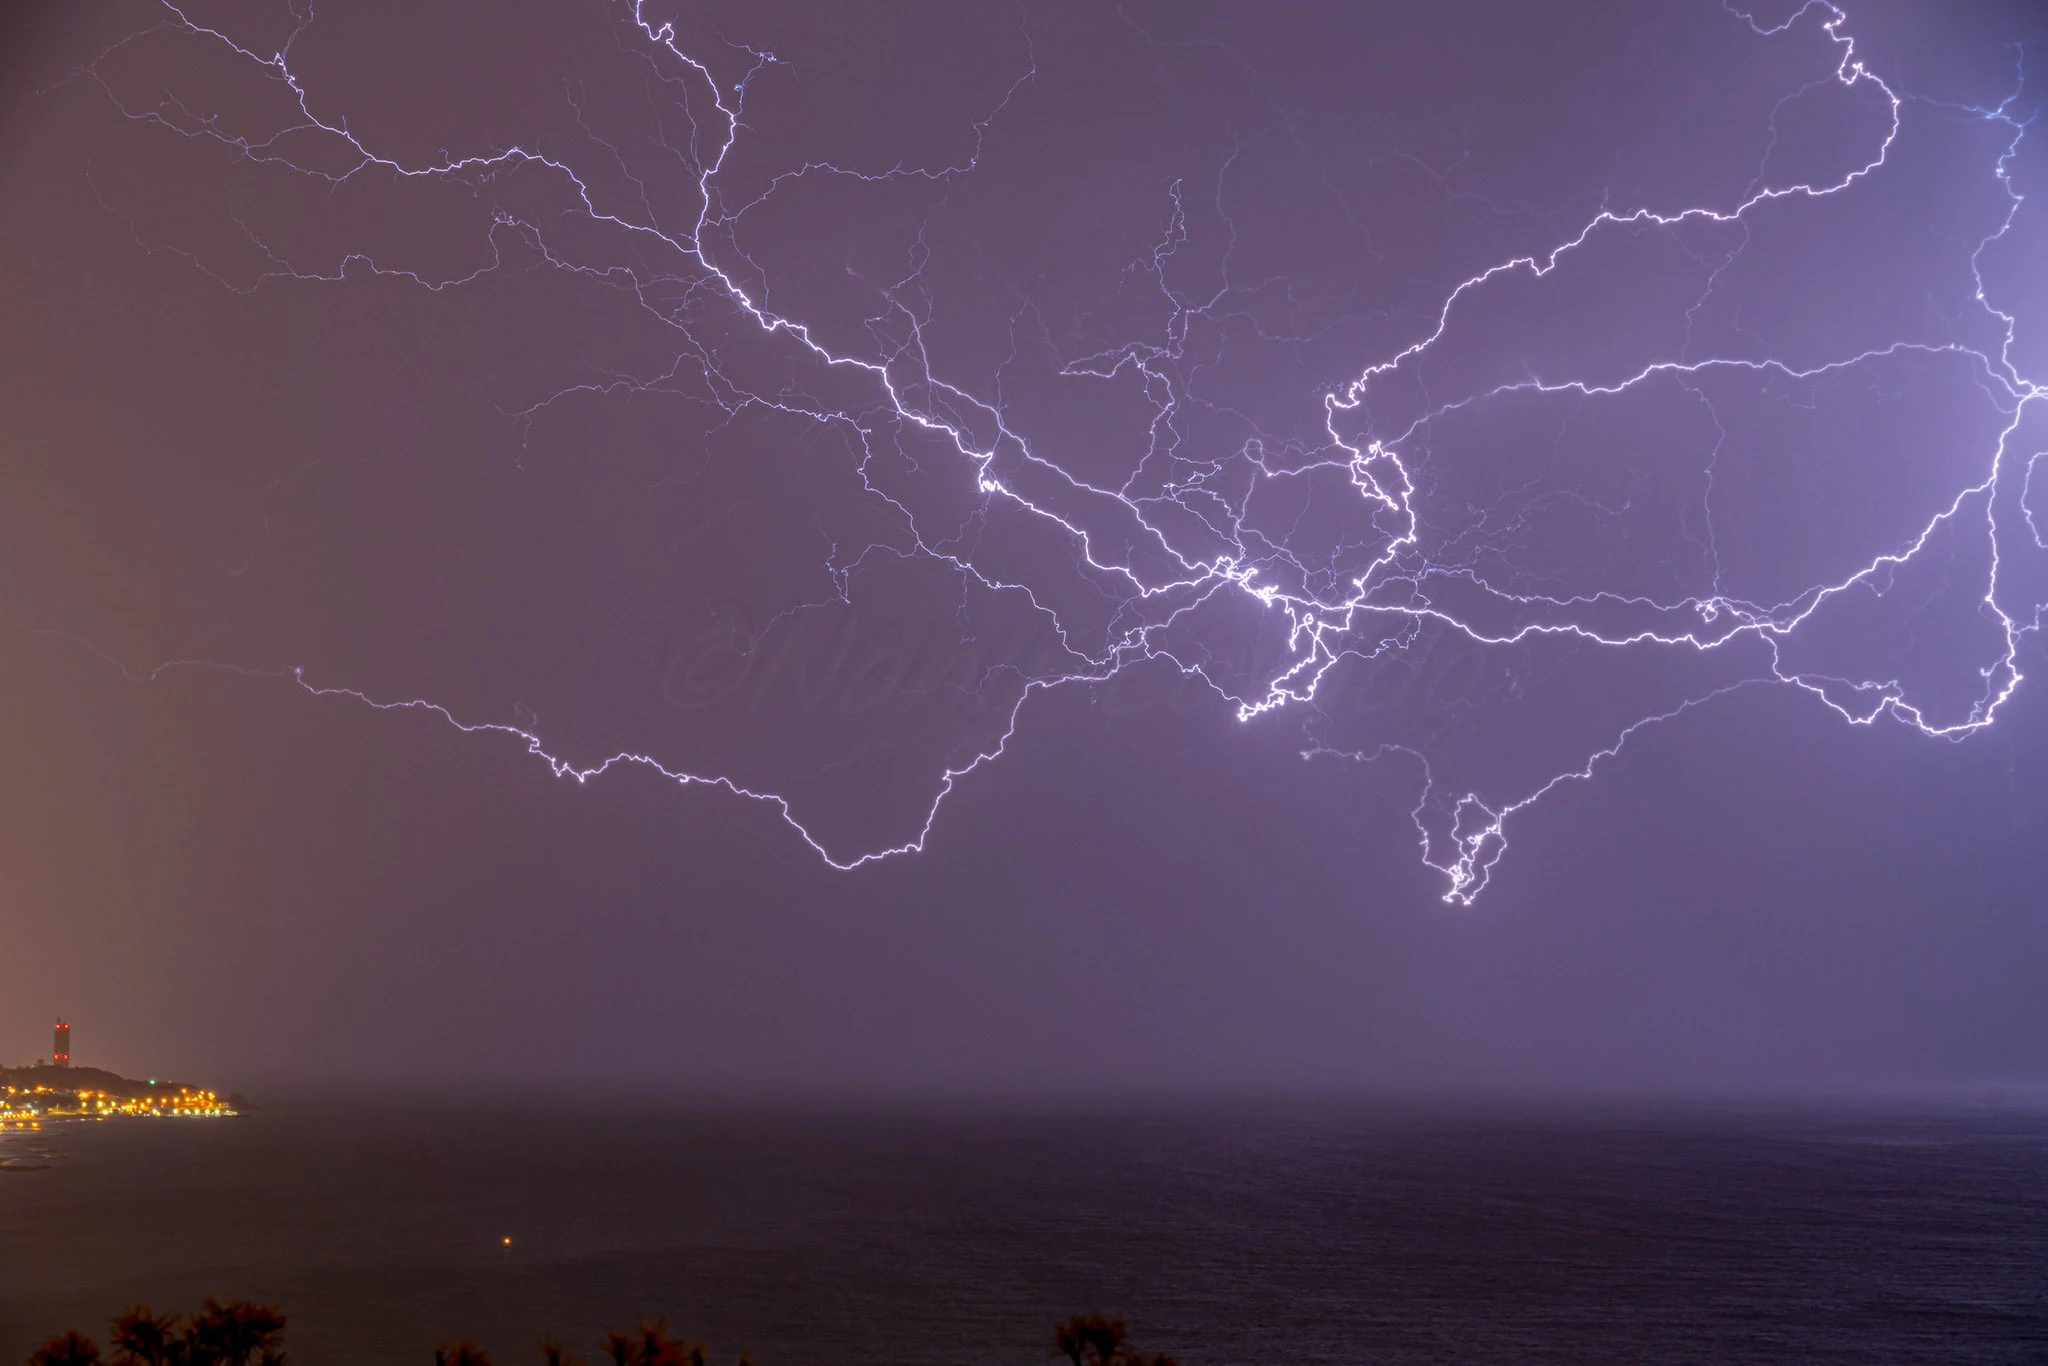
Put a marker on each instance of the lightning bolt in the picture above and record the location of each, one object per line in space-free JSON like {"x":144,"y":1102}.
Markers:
{"x":1184,"y":534}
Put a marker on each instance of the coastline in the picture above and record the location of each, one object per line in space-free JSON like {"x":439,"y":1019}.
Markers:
{"x":24,"y":1151}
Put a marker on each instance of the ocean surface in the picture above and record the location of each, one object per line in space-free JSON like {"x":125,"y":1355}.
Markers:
{"x":1229,"y":1236}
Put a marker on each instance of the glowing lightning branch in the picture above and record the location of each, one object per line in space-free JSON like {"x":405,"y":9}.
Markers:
{"x":1330,"y":617}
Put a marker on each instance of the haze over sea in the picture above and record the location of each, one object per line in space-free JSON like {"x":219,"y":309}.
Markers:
{"x":1295,"y":1233}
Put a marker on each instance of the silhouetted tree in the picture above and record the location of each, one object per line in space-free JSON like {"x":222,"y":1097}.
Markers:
{"x":73,"y":1349}
{"x":1098,"y":1340}
{"x":1088,"y":1338}
{"x":144,"y":1339}
{"x":244,"y":1334}
{"x":650,"y":1345}
{"x":239,"y":1334}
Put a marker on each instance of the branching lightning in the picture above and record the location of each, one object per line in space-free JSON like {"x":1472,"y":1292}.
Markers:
{"x":1374,"y":433}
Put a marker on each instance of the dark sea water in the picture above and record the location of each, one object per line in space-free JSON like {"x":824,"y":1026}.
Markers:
{"x":1290,"y":1234}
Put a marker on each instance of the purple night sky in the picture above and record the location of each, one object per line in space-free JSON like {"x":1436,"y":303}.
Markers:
{"x":1070,"y":546}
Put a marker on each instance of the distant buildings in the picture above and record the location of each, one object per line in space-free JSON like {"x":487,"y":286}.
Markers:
{"x":32,"y":1096}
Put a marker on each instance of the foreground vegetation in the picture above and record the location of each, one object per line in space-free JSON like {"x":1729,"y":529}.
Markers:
{"x":244,"y":1334}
